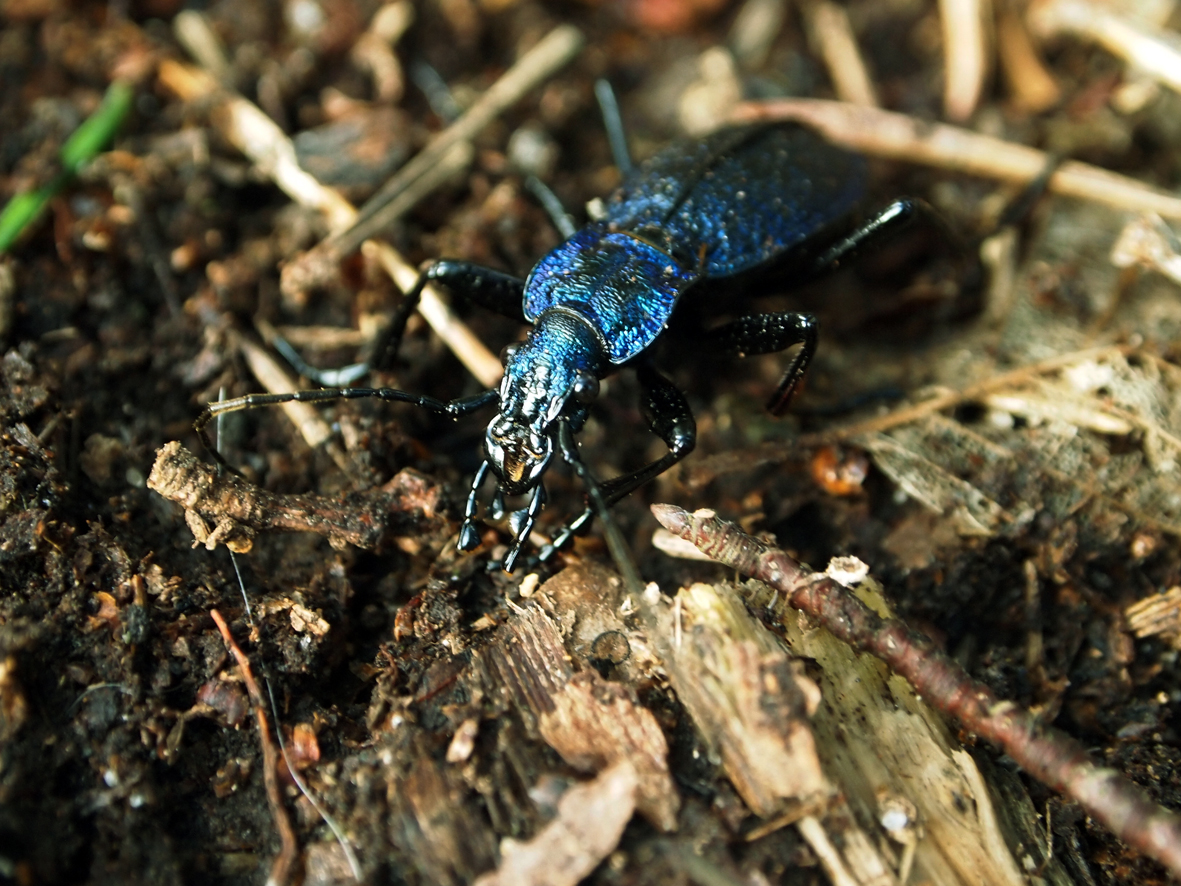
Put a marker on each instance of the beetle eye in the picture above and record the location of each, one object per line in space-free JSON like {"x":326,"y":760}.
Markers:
{"x":508,"y":352}
{"x":585,"y":388}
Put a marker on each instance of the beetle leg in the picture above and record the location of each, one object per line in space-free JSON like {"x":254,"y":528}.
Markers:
{"x":594,"y":492}
{"x":669,"y":418}
{"x":494,"y":290}
{"x":765,"y":334}
{"x":896,"y":217}
{"x":469,"y":539}
{"x":496,"y":506}
{"x":523,"y":526}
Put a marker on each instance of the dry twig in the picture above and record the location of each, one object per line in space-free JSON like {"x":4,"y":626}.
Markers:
{"x":777,"y":452}
{"x":832,"y":33}
{"x":237,"y":508}
{"x":965,"y":56}
{"x":899,"y":137}
{"x":283,"y":869}
{"x":553,"y":52}
{"x":1051,"y":757}
{"x":261,"y":140}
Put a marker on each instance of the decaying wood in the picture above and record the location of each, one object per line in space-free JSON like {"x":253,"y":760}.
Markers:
{"x":877,"y":739}
{"x":749,"y":700}
{"x":751,"y":703}
{"x":591,"y":819}
{"x":1052,"y":757}
{"x":435,"y":824}
{"x":592,"y":723}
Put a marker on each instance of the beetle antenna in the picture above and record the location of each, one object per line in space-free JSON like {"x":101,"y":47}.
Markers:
{"x":552,"y":205}
{"x":450,"y":408}
{"x":613,"y":123}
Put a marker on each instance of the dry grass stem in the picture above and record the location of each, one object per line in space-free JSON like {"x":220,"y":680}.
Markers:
{"x":965,"y":56}
{"x":831,"y":33}
{"x":899,"y":137}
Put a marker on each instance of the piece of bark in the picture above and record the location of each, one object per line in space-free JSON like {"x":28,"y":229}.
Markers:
{"x":437,"y":826}
{"x":878,"y":739}
{"x":238,"y":509}
{"x":590,"y":722}
{"x":591,"y":819}
{"x":586,"y":602}
{"x":749,"y":700}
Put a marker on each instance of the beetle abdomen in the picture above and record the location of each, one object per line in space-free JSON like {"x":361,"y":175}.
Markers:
{"x":740,"y":197}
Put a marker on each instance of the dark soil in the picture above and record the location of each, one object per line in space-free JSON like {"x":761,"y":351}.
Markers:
{"x":128,"y":749}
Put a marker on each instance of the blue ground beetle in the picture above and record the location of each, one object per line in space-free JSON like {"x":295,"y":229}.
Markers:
{"x":743,"y":212}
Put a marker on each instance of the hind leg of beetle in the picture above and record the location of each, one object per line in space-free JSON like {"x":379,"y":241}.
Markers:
{"x":494,"y":290}
{"x":884,"y":224}
{"x":766,"y":334}
{"x":669,"y":418}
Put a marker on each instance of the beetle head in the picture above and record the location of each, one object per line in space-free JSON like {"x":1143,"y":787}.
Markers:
{"x":555,"y":370}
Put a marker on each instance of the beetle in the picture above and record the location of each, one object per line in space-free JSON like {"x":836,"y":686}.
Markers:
{"x":708,"y":221}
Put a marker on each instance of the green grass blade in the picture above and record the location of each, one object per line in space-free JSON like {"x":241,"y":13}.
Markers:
{"x":83,"y":145}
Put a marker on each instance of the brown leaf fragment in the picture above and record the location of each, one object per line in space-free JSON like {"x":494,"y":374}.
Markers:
{"x":590,"y":722}
{"x":591,"y":819}
{"x":225,"y":698}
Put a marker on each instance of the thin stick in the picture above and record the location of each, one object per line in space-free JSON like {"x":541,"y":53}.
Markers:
{"x":456,"y":334}
{"x":887,"y":134}
{"x":965,"y":56}
{"x":272,"y":376}
{"x":1032,"y":84}
{"x":337,"y":831}
{"x":1146,"y":48}
{"x":774,"y":453}
{"x":365,"y":519}
{"x":554,"y":51}
{"x":283,"y":869}
{"x":257,"y":136}
{"x":1053,"y":758}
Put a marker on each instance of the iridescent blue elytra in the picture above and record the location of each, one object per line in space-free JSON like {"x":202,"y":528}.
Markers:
{"x":714,"y":208}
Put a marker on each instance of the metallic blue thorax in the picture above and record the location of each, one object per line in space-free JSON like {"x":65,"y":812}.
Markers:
{"x":623,"y":287}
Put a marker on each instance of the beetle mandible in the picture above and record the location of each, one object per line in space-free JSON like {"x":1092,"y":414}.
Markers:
{"x":711,"y":221}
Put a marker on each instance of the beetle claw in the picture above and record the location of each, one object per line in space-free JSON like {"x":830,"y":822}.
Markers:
{"x":469,"y":539}
{"x":510,"y":559}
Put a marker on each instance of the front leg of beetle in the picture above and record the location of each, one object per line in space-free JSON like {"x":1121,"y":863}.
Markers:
{"x":669,"y":418}
{"x":521,"y":523}
{"x":469,"y":538}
